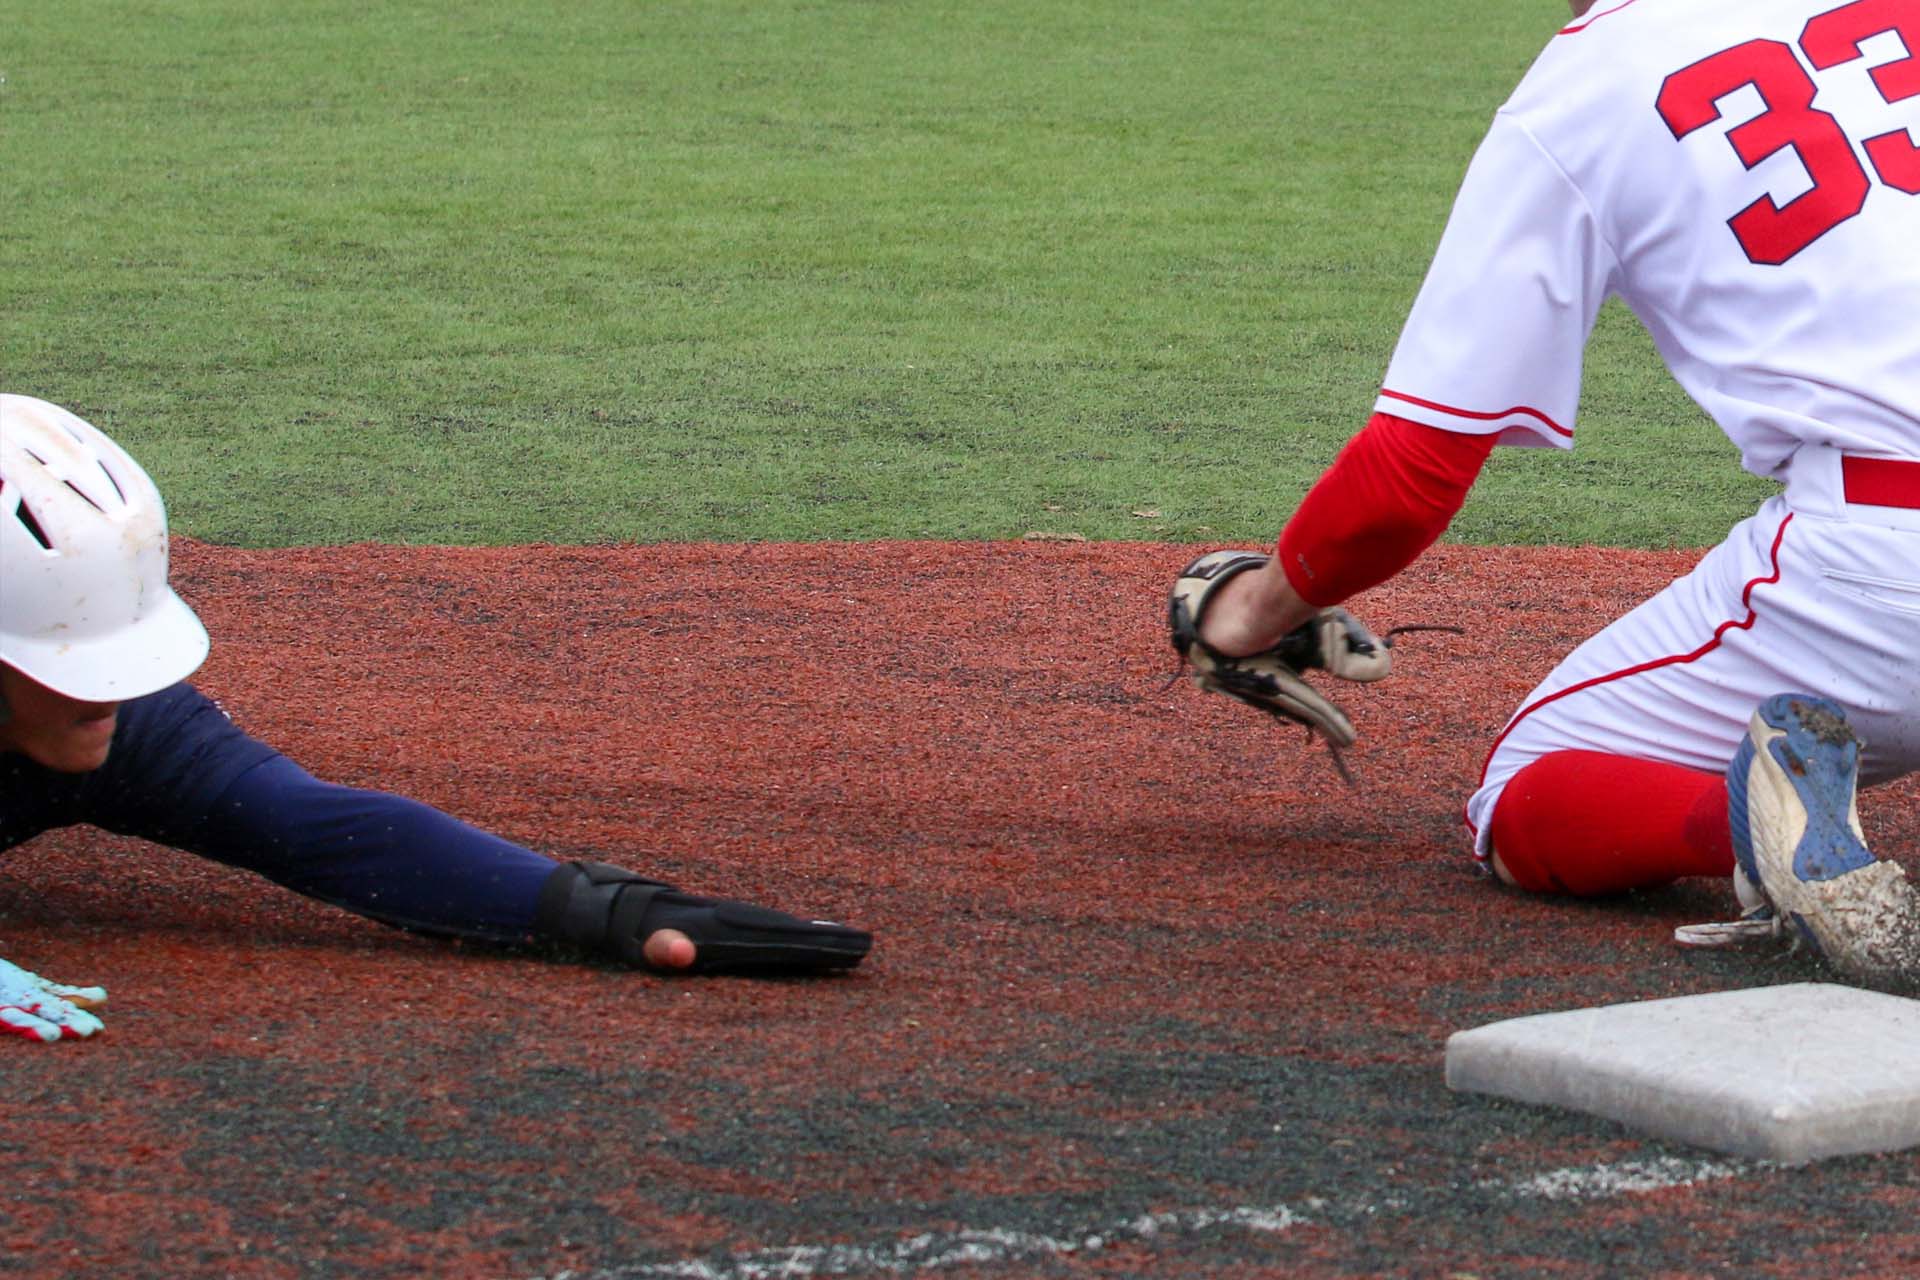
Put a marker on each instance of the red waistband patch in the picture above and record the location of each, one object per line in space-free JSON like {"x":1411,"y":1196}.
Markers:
{"x":1881,"y":482}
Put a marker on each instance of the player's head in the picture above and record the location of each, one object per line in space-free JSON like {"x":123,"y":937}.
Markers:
{"x":1580,"y":7}
{"x":87,"y":619}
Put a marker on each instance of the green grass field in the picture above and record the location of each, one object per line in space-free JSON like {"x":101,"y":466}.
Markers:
{"x":506,"y":271}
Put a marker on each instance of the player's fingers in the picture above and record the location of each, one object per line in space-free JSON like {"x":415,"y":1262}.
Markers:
{"x":19,"y":1022}
{"x":669,"y":949}
{"x":78,"y":997}
{"x":74,"y":1024}
{"x":68,"y":1021}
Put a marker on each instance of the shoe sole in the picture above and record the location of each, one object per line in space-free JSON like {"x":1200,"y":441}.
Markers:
{"x":1729,"y":934}
{"x":1790,"y":791}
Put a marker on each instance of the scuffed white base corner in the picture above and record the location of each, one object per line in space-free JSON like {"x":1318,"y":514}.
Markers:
{"x":1790,"y":1073}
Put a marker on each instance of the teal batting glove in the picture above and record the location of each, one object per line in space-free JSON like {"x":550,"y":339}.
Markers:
{"x":36,"y":1009}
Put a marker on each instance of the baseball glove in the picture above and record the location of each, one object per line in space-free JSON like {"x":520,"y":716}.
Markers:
{"x":1333,"y":641}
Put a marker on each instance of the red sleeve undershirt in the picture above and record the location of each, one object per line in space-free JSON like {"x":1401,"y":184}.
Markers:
{"x":1385,"y":499}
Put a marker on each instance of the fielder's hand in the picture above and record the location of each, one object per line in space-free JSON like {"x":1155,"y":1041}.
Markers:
{"x":1333,"y":640}
{"x":37,"y":1009}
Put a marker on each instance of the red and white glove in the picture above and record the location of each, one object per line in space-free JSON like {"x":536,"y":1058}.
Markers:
{"x":37,"y":1009}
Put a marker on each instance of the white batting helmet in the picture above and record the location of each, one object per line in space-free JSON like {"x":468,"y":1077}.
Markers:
{"x":85,"y":608}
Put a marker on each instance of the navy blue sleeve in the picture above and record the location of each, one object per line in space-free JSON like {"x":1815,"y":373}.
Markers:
{"x":173,"y":752}
{"x":396,"y":860}
{"x":181,"y":773}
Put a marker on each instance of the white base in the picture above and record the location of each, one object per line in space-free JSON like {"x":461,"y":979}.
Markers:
{"x":1791,"y":1073}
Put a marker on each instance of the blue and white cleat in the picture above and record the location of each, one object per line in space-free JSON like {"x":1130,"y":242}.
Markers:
{"x":1797,"y":838}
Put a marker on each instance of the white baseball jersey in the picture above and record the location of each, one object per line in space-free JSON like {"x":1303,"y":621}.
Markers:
{"x":1745,"y":175}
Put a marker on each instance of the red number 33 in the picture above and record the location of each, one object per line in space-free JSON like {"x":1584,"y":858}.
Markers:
{"x":1770,"y":232}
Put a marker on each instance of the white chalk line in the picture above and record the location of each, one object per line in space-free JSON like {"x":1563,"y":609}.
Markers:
{"x":932,"y":1251}
{"x":1633,"y":1177}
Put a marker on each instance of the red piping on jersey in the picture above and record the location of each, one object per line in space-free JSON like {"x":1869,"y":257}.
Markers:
{"x":1746,"y":623}
{"x":1477,"y":416}
{"x":1588,"y":21}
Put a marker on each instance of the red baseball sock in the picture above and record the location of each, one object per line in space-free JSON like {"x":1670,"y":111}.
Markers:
{"x":1586,"y":823}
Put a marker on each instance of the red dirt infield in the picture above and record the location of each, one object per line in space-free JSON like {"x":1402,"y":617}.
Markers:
{"x":1153,"y":993}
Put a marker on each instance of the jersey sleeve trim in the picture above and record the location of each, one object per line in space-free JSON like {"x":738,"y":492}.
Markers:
{"x":1473,"y":421}
{"x":1574,"y":29}
{"x":1469,"y":356}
